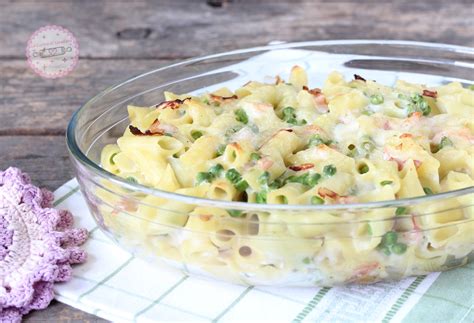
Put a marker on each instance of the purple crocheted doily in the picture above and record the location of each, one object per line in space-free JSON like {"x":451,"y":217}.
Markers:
{"x":37,"y":246}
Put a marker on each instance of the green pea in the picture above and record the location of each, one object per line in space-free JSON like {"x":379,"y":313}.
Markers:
{"x":261,"y":198}
{"x":276,"y":184}
{"x":292,"y":121}
{"x":418,"y":103}
{"x":428,"y":191}
{"x":241,"y":116}
{"x":235,"y":213}
{"x":312,"y":180}
{"x":233,"y":175}
{"x":303,"y":179}
{"x":376,"y":99}
{"x":425,"y":108}
{"x":131,"y":179}
{"x":399,"y":248}
{"x":316,"y":200}
{"x":329,"y":170}
{"x":288,"y":113}
{"x":195,"y":134}
{"x":400,"y":210}
{"x":293,"y":179}
{"x":385,"y":250}
{"x":242,"y":185}
{"x":389,"y":238}
{"x":264,"y":178}
{"x":255,"y":156}
{"x":203,"y":177}
{"x":216,"y":170}
{"x":383,"y":183}
{"x":417,"y":98}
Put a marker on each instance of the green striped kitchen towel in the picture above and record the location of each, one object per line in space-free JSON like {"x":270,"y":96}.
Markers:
{"x":116,"y":286}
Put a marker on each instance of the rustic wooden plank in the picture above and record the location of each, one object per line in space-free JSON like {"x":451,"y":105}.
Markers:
{"x":52,"y":101}
{"x":61,"y":313}
{"x":177,"y":29}
{"x":30,"y":105}
{"x":45,"y":158}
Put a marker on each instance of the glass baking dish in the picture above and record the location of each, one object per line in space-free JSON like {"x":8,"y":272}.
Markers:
{"x":297,"y":245}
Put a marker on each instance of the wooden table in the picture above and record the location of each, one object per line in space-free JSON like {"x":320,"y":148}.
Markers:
{"x":121,"y":39}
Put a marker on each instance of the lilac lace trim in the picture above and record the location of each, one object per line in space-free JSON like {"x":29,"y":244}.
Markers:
{"x":37,"y":246}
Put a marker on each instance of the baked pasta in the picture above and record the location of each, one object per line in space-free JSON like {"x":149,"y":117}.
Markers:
{"x":347,"y":142}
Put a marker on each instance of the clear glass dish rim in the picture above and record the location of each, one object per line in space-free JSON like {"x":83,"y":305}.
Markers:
{"x":79,"y":156}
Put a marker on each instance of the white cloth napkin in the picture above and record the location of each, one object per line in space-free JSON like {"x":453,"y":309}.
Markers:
{"x":116,"y":286}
